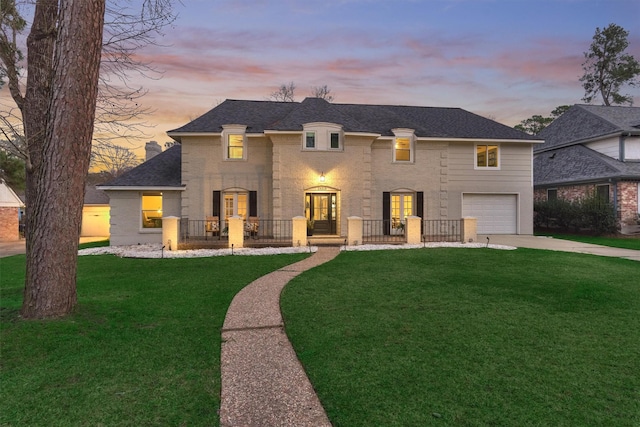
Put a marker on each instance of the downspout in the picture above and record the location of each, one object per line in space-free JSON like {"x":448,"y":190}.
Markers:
{"x":621,"y":148}
{"x":618,"y":213}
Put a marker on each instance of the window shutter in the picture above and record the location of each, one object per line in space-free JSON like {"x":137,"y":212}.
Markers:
{"x":420,"y":209}
{"x":386,"y":213}
{"x":216,"y":203}
{"x":253,"y":203}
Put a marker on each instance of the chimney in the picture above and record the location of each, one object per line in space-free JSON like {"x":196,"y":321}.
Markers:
{"x":152,"y":149}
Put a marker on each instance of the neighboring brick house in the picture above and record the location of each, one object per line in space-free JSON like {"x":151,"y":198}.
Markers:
{"x":592,"y":149}
{"x":10,"y":205}
{"x":328,"y":162}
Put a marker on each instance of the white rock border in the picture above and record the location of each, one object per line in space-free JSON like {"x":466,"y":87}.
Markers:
{"x":156,"y":251}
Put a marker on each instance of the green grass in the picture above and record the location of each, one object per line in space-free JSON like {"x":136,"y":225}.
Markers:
{"x":141,"y":349}
{"x":470,"y":337}
{"x":615,"y":242}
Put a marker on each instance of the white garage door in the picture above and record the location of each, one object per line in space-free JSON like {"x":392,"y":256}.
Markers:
{"x":496,"y":213}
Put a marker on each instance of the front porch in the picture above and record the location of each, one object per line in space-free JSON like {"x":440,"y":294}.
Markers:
{"x":206,"y":234}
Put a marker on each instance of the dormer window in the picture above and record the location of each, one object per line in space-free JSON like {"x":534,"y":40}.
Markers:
{"x":235,"y":147}
{"x":403,"y":145}
{"x":322,"y":137}
{"x":235,"y":142}
{"x":310,"y":140}
{"x":335,"y":140}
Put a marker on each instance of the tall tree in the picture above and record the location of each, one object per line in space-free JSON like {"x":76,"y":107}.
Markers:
{"x":58,"y":110}
{"x":65,"y":47}
{"x":607,"y":68}
{"x":534,"y":124}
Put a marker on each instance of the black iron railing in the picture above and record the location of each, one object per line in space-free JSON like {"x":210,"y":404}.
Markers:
{"x":442,"y":230}
{"x":256,"y":232}
{"x":382,"y":231}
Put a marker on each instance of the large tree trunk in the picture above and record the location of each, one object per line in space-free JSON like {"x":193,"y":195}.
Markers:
{"x":64,"y":58}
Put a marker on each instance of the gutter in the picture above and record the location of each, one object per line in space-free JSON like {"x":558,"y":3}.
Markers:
{"x":138,"y":188}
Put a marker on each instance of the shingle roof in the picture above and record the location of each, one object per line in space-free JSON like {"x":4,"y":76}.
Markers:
{"x":584,"y":122}
{"x":163,"y":170}
{"x":578,"y":163}
{"x":94,"y":196}
{"x":381,"y":119}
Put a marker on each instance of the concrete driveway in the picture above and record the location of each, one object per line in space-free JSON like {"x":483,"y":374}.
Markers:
{"x":18,"y":247}
{"x":549,"y":243}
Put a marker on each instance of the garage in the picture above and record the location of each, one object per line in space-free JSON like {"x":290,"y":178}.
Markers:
{"x":496,"y":213}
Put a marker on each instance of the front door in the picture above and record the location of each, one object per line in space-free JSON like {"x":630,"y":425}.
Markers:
{"x":321,"y":209}
{"x":401,"y":208}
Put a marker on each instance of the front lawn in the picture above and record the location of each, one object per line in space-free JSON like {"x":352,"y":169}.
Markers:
{"x":142,"y":348}
{"x":470,"y":337}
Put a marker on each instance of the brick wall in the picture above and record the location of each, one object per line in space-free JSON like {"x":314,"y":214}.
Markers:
{"x":627,"y":206}
{"x":9,"y":224}
{"x":628,"y":202}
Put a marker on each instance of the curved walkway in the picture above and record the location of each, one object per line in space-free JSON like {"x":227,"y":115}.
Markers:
{"x":263,"y":383}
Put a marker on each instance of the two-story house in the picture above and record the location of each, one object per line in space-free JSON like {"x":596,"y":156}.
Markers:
{"x":328,"y":162}
{"x":592,"y":149}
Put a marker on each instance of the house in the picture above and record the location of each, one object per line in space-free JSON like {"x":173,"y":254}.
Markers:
{"x":95,"y":213}
{"x":329,"y":162}
{"x":10,"y":205}
{"x":591,"y":149}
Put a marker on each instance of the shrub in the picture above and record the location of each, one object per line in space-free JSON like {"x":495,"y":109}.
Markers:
{"x":590,"y":213}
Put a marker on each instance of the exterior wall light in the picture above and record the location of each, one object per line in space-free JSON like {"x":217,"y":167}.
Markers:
{"x":322,"y":178}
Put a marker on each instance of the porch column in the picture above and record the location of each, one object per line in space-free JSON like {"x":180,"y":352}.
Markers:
{"x":469,"y":229}
{"x":412,"y":229}
{"x":299,"y":231}
{"x":170,"y":232}
{"x":354,"y":231}
{"x":236,"y":231}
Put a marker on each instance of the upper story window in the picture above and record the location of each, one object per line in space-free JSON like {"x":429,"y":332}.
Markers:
{"x":322,"y":137}
{"x":403,"y":150}
{"x":235,"y":146}
{"x":310,"y":140}
{"x":335,"y":141}
{"x":487,"y":156}
{"x":235,"y":142}
{"x":403,"y":145}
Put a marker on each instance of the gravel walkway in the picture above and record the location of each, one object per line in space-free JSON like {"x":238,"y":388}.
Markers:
{"x":263,"y":383}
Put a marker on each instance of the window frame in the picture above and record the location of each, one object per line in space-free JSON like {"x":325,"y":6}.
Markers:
{"x":231,"y":147}
{"x":156,"y":220}
{"x":401,"y":134}
{"x":553,"y":191}
{"x":602,"y":197}
{"x":339,"y":137}
{"x":307,"y":134}
{"x":234,"y":131}
{"x":487,"y":167}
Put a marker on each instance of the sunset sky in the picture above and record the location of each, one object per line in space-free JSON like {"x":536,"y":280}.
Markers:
{"x":504,"y":59}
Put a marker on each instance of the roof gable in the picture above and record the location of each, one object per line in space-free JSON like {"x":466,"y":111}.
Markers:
{"x":584,"y":122}
{"x":8,"y":197}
